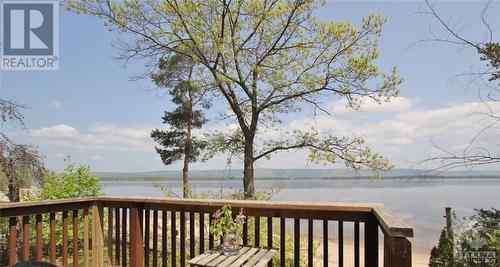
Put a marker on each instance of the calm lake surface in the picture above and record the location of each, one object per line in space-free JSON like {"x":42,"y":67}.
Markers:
{"x":420,"y":202}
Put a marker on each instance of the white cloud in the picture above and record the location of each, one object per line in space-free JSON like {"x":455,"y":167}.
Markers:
{"x":57,"y":131}
{"x":97,"y":157}
{"x":98,"y":136}
{"x":369,"y":107}
{"x":55,"y":104}
{"x":407,"y":136}
{"x":404,"y":134}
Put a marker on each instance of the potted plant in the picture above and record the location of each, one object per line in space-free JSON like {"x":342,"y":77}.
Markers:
{"x":222,"y":224}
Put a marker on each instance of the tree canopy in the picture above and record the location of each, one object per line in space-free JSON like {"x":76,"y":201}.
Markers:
{"x":265,"y":59}
{"x":20,"y":164}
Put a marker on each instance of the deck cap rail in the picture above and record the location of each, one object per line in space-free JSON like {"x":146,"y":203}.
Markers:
{"x":389,"y":222}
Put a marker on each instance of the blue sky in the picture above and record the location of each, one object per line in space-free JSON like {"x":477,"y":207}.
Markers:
{"x":90,"y":110}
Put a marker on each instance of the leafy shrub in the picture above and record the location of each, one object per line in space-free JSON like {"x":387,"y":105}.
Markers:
{"x":73,"y":182}
{"x":478,"y":233}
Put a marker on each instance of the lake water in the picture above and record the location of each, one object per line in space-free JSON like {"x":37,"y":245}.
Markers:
{"x":420,"y":202}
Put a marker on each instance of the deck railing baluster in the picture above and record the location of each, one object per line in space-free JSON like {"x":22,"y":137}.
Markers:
{"x":341,"y":243}
{"x":86,"y":259}
{"x":245,"y":233}
{"x":117,"y":237}
{"x":296,"y":240}
{"x":325,"y":243}
{"x":164,"y":238}
{"x":310,"y":244}
{"x":257,"y":231}
{"x":211,"y":236}
{"x":75,"y":238}
{"x":191,"y":235}
{"x":12,"y":240}
{"x":155,"y":238}
{"x":202,"y":232}
{"x":39,"y":237}
{"x":26,"y":238}
{"x":146,"y":237}
{"x":53,"y":240}
{"x":270,"y":236}
{"x":282,"y":241}
{"x":173,"y":234}
{"x":65,"y":238}
{"x":182,"y":238}
{"x":356,"y":244}
{"x":124,"y":236}
{"x":110,"y":236}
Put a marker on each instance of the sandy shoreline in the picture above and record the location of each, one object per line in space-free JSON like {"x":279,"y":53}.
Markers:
{"x":419,"y":258}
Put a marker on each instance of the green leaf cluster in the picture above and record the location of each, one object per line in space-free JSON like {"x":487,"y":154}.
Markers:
{"x":178,"y":142}
{"x":222,"y":221}
{"x":73,"y":182}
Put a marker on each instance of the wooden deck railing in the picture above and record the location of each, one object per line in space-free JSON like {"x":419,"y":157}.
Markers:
{"x":167,"y":232}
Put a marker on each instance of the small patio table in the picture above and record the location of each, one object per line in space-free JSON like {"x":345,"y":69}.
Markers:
{"x":247,"y":256}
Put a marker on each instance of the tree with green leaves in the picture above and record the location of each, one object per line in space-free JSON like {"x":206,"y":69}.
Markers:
{"x":473,"y":242}
{"x":73,"y":182}
{"x":265,"y":59}
{"x":442,"y":254}
{"x":20,"y":164}
{"x":178,"y":142}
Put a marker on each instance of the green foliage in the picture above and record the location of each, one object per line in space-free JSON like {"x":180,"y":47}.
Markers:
{"x":478,"y":233}
{"x":222,"y":221}
{"x":265,"y":59}
{"x":263,"y":195}
{"x":443,"y":253}
{"x":490,"y":52}
{"x":73,"y":182}
{"x":175,"y":74}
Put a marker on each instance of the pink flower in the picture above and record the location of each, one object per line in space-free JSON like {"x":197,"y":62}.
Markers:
{"x":240,"y":218}
{"x":216,"y":216}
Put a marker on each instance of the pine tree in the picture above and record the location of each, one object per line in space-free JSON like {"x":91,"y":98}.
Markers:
{"x":178,"y":142}
{"x":442,"y":255}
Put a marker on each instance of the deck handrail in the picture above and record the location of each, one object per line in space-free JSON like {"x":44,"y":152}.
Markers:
{"x":390,"y":223}
{"x":129,"y":218}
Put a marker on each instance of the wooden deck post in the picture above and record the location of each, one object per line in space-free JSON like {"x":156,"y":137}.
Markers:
{"x":97,"y":236}
{"x":371,"y":243}
{"x":136,"y":242}
{"x":397,"y":252}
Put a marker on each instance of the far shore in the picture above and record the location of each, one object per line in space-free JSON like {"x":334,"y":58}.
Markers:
{"x":367,"y":178}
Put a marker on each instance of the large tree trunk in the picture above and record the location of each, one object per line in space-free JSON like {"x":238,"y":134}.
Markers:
{"x":14,"y":191}
{"x":248,"y":171}
{"x":14,"y":186}
{"x":185,"y":180}
{"x":187,"y":151}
